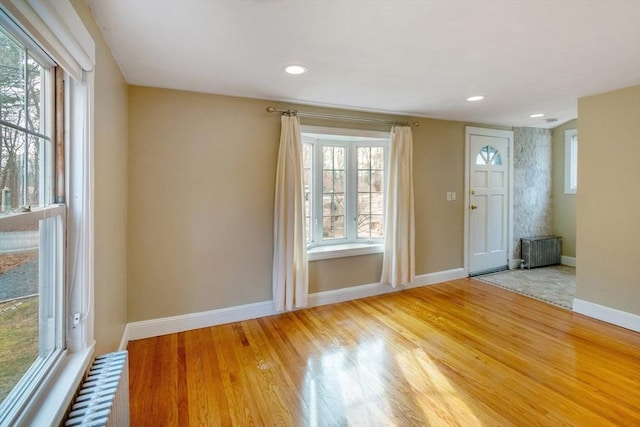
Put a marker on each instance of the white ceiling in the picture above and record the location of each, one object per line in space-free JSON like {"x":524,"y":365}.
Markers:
{"x":421,"y":58}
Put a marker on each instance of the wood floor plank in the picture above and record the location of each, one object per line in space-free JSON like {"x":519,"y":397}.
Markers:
{"x":459,"y":353}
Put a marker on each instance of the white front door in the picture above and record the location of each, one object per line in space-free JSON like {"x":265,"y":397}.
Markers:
{"x":488,"y":174}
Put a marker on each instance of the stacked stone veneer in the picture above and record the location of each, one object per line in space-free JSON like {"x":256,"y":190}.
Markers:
{"x":531,"y":184}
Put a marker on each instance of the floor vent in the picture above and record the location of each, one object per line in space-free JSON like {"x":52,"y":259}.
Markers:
{"x":541,"y":251}
{"x":103,"y":398}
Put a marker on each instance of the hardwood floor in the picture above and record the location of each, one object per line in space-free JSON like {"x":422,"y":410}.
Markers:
{"x":459,"y":353}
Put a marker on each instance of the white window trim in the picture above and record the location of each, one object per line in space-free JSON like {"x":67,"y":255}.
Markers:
{"x":56,"y":25}
{"x":318,"y":253}
{"x":569,"y":161}
{"x":338,"y":248}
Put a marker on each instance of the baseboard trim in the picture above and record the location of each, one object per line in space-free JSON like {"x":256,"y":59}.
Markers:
{"x":568,"y":260}
{"x":169,"y":325}
{"x":607,"y":314}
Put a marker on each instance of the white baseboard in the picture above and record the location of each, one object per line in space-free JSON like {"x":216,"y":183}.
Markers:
{"x":607,"y":314}
{"x":363,"y":291}
{"x":568,"y":260}
{"x":185,"y":322}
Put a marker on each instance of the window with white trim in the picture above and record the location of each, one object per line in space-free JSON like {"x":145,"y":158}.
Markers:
{"x":344,"y":181}
{"x":31,"y":229}
{"x":571,"y":161}
{"x":60,"y":235}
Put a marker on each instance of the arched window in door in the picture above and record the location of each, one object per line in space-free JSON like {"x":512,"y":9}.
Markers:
{"x":488,"y":156}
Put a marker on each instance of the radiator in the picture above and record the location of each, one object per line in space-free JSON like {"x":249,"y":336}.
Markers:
{"x":103,"y":397}
{"x":541,"y":251}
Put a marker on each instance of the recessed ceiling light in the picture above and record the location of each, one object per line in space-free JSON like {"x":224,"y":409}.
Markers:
{"x":296,"y":69}
{"x":475,"y":98}
{"x":535,"y":116}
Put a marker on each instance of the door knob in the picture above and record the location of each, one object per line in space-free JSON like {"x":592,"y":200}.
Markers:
{"x":474,"y":207}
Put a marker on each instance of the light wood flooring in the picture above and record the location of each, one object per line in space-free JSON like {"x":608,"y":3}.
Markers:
{"x":460,"y":353}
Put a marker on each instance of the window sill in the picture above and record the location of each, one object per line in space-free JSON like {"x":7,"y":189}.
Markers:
{"x":57,"y":394}
{"x":341,"y":251}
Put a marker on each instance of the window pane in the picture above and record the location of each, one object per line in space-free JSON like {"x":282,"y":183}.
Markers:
{"x":333,"y":227}
{"x":12,"y":167}
{"x":12,"y":81}
{"x":327,"y":206}
{"x":370,"y":190}
{"x":338,"y":161}
{"x":21,"y":168}
{"x":377,"y":203}
{"x":377,"y":226}
{"x":327,"y":158}
{"x":333,"y":188}
{"x":364,"y":157}
{"x":338,"y":204}
{"x":364,"y":180}
{"x":19,"y":305}
{"x":488,"y":156}
{"x":363,"y":226}
{"x":377,"y":180}
{"x":377,"y":158}
{"x":364,"y":203}
{"x":338,"y":181}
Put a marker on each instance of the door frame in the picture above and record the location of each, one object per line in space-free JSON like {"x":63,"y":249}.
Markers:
{"x":471,"y":130}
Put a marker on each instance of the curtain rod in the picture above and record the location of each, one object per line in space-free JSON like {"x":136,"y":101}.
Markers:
{"x":340,"y":117}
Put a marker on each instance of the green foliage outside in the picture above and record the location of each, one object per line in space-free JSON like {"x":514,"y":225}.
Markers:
{"x":18,"y":341}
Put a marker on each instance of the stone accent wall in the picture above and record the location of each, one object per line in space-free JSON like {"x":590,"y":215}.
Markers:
{"x":531,"y":184}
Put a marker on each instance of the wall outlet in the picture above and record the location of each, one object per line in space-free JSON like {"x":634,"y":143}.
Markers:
{"x":453,"y":196}
{"x":448,"y":196}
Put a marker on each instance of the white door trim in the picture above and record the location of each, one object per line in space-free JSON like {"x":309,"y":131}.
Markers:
{"x":470,"y":130}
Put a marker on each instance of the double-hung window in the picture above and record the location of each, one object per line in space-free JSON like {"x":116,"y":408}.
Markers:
{"x":344,"y":182}
{"x":32,"y":228}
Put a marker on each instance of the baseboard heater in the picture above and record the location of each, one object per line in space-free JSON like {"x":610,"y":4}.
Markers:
{"x":103,"y":397}
{"x":541,"y":251}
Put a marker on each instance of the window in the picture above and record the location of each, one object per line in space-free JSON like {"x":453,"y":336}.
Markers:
{"x":571,"y":161}
{"x":32,"y":230}
{"x":344,"y":181}
{"x":488,"y":156}
{"x":50,"y":245}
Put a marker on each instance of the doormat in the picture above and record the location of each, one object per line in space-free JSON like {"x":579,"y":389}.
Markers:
{"x":555,"y":284}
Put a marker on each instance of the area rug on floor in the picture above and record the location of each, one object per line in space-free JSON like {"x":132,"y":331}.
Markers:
{"x":555,"y":284}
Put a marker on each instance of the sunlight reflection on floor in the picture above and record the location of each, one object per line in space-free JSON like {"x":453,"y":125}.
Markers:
{"x":438,"y":398}
{"x":351,"y":386}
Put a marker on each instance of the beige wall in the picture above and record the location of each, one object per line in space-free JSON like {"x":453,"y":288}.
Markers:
{"x":608,"y":220}
{"x":563,"y":205}
{"x":201,"y":185}
{"x":110,"y":192}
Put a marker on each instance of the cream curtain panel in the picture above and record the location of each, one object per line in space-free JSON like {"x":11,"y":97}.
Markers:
{"x":290,"y":275}
{"x":398,"y":266}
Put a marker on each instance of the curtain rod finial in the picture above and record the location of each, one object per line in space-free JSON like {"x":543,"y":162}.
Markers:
{"x":270,"y":109}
